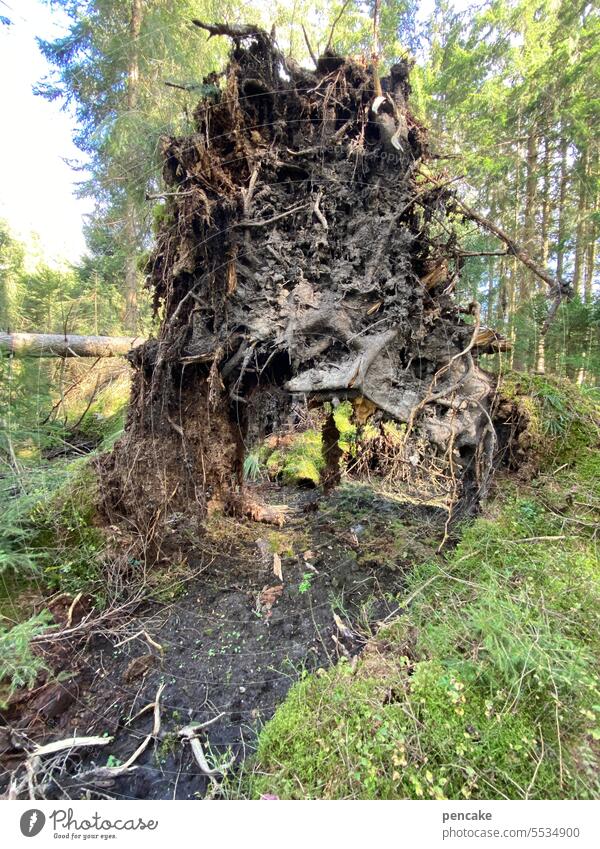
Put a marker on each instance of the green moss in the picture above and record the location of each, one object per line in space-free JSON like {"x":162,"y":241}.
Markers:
{"x":488,"y":686}
{"x":562,"y":420}
{"x":162,"y":217}
{"x":342,"y":415}
{"x":301,"y":461}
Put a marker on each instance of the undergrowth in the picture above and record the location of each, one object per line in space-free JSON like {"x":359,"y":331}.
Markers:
{"x":48,"y":539}
{"x":19,"y":664}
{"x":487,"y":686}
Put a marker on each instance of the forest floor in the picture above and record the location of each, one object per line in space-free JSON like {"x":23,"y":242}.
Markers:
{"x":234,"y":637}
{"x":340,"y":656}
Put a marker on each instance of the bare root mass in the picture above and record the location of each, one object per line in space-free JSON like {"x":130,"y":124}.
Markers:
{"x":305,"y":251}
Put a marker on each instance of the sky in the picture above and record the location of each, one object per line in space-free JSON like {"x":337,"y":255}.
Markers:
{"x":36,"y":183}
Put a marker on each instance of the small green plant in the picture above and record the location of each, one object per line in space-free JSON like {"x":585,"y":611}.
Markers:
{"x":19,"y":663}
{"x":112,"y":760}
{"x":168,"y":746}
{"x":306,"y":582}
{"x":252,"y":466}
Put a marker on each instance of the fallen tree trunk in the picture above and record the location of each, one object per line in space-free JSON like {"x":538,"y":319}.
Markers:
{"x":57,"y":345}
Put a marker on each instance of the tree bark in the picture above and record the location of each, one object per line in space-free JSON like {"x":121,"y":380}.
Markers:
{"x":546,"y":207}
{"x":131,"y":314}
{"x":580,"y":236}
{"x":57,"y":345}
{"x":526,"y":280}
{"x":590,"y":257}
{"x":562,"y":211}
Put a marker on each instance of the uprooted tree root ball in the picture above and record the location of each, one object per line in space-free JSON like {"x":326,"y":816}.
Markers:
{"x":305,"y":251}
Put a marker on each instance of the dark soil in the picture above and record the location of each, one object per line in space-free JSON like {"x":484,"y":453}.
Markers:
{"x":230,"y":647}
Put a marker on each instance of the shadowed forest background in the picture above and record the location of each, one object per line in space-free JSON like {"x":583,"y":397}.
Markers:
{"x":501,"y":639}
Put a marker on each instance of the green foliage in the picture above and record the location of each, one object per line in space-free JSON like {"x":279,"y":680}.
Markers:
{"x":19,"y":663}
{"x":102,"y":418}
{"x":252,"y":466}
{"x":64,"y":532}
{"x":49,"y":532}
{"x":487,"y":687}
{"x":510,"y":90}
{"x":306,"y":582}
{"x":562,"y":420}
{"x":299,"y":462}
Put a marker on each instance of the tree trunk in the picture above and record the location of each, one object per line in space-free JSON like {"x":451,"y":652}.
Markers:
{"x":592,"y":237}
{"x":540,"y":358}
{"x":546,"y":223}
{"x":57,"y":345}
{"x":529,"y":227}
{"x":131,"y":314}
{"x":546,"y":207}
{"x":562,"y":209}
{"x":132,"y":275}
{"x":580,"y":235}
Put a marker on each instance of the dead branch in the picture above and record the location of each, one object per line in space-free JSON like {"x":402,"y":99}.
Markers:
{"x":309,"y":46}
{"x":189,"y":735}
{"x":108,"y":773}
{"x":74,"y":604}
{"x":334,"y":24}
{"x":33,"y":764}
{"x":375,"y":56}
{"x":231,"y":30}
{"x":266,"y":222}
{"x":57,"y":345}
{"x":559,"y":289}
{"x":71,"y":743}
{"x":318,"y":213}
{"x":484,"y":253}
{"x":146,"y":636}
{"x":188,"y":88}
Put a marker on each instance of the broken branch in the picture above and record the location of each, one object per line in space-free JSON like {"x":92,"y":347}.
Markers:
{"x":560,"y":289}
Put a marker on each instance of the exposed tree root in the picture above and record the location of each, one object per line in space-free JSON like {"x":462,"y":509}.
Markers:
{"x":300,"y":256}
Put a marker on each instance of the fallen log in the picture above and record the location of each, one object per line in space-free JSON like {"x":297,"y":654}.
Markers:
{"x":59,"y":345}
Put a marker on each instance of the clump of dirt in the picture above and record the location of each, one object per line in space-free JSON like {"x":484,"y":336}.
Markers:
{"x":234,"y":640}
{"x":305,"y":250}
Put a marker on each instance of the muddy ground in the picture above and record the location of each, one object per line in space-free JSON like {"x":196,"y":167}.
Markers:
{"x":234,"y":638}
